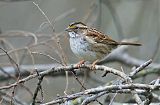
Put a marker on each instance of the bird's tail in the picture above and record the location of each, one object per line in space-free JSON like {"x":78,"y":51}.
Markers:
{"x":129,"y":43}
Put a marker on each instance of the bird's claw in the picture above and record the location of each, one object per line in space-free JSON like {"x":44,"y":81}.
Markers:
{"x":80,"y":63}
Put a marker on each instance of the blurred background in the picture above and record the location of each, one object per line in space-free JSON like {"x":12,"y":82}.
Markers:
{"x":25,"y":34}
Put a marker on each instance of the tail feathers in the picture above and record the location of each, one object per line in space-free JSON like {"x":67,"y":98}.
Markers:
{"x":129,"y":43}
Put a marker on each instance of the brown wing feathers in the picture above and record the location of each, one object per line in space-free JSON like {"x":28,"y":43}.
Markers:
{"x":100,"y":37}
{"x":105,"y":39}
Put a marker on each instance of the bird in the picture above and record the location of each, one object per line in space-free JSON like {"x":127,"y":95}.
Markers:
{"x":89,"y":44}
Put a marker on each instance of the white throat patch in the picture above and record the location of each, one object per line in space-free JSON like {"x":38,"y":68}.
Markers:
{"x":73,"y":34}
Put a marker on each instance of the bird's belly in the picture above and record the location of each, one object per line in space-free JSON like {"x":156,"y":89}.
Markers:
{"x":81,"y":49}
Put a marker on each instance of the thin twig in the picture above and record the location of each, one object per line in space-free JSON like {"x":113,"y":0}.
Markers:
{"x":46,"y":17}
{"x":141,"y":67}
{"x":40,"y":79}
{"x":12,"y":61}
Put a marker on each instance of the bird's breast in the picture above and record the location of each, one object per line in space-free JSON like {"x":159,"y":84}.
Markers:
{"x":81,"y":48}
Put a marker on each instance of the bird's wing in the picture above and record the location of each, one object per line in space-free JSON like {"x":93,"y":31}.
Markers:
{"x":100,"y":37}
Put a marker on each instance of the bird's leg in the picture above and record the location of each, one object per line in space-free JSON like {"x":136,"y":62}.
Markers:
{"x":93,"y":65}
{"x":79,"y":64}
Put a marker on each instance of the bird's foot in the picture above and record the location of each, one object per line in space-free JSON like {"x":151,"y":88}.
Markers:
{"x":93,"y":68}
{"x":80,"y":63}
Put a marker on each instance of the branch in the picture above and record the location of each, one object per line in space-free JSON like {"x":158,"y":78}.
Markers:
{"x":107,"y":89}
{"x":40,"y":78}
{"x":133,"y":88}
{"x":70,"y":68}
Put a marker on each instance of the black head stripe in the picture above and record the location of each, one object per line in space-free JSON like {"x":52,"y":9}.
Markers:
{"x":74,"y":23}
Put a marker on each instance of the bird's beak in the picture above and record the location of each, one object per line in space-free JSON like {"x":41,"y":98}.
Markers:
{"x":68,"y":29}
